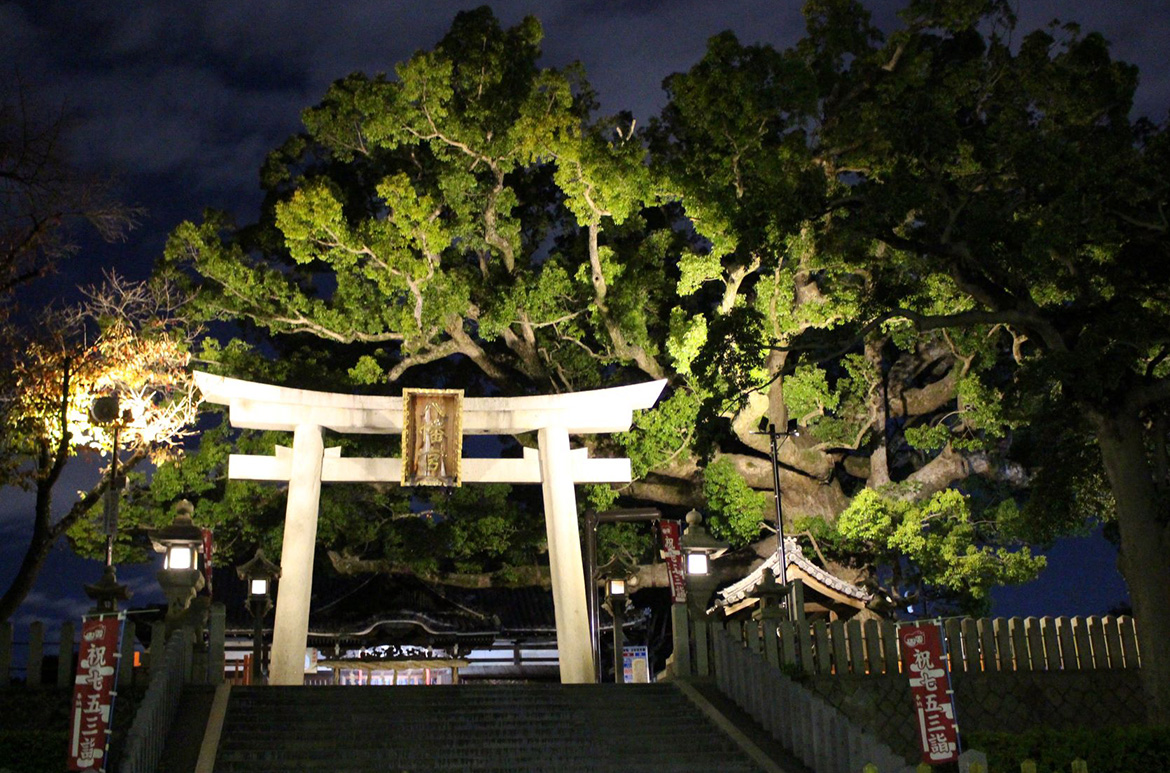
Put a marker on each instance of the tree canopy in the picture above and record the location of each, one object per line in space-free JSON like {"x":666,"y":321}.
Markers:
{"x":122,"y":340}
{"x":121,"y":337}
{"x":938,"y":253}
{"x":44,"y":196}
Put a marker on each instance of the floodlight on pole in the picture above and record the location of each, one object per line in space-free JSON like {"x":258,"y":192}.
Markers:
{"x":775,"y":448}
{"x":105,"y":410}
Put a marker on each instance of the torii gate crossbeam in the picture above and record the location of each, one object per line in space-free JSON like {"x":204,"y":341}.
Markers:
{"x":308,"y":463}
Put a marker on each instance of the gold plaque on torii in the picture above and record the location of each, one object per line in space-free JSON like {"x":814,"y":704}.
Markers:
{"x":432,"y":437}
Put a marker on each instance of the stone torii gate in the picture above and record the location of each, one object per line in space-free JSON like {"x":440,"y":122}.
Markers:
{"x":308,"y":464}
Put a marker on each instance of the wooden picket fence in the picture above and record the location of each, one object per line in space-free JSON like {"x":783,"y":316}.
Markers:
{"x":973,"y":645}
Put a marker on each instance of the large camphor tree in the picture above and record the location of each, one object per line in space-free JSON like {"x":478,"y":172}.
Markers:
{"x":998,"y":202}
{"x":935,"y":255}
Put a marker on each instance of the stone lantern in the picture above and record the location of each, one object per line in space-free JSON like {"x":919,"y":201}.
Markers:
{"x":699,"y":550}
{"x":181,"y":577}
{"x":259,"y":573}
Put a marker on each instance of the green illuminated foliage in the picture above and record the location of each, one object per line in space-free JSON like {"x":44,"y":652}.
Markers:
{"x":734,"y":510}
{"x":931,"y":549}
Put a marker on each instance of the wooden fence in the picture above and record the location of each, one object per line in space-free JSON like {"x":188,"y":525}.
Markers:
{"x":973,"y":645}
{"x":23,"y":653}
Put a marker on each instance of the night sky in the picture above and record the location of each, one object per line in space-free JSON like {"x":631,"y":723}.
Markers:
{"x":181,"y":101}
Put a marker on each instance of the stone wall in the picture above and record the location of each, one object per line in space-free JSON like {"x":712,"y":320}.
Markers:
{"x":998,"y":702}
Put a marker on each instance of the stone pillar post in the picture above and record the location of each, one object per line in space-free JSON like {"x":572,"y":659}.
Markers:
{"x":36,"y":654}
{"x":680,"y":630}
{"x":564,"y":557}
{"x":216,"y":642}
{"x":65,"y":669}
{"x":291,"y":629}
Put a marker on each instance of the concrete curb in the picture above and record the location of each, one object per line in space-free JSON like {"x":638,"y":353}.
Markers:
{"x":210,"y":746}
{"x":728,"y":728}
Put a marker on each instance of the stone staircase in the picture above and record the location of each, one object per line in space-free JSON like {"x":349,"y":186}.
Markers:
{"x":472,"y":729}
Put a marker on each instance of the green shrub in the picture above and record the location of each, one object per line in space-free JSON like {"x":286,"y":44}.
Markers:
{"x":32,"y":751}
{"x":1106,"y":750}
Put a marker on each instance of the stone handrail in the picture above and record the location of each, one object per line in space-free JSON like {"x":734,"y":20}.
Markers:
{"x":152,"y":723}
{"x":808,"y":726}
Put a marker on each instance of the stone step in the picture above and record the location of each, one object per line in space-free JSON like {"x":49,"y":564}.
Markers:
{"x":657,"y":765}
{"x":485,"y":730}
{"x":585,"y":741}
{"x":468,"y":728}
{"x":392,"y":694}
{"x":649,"y":718}
{"x":540,"y":751}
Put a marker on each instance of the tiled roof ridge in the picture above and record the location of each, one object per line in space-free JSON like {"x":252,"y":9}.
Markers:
{"x":428,"y":623}
{"x":795,"y":556}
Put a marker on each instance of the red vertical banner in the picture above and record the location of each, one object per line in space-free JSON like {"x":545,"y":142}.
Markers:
{"x":672,"y":552}
{"x":924,"y":662}
{"x":207,"y":559}
{"x":93,"y":692}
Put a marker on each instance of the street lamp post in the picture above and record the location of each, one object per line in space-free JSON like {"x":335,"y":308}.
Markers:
{"x":259,"y":573}
{"x":592,"y":520}
{"x":106,"y":410}
{"x":616,"y":598}
{"x":107,"y":591}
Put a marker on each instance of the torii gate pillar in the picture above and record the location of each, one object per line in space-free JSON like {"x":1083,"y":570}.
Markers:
{"x":291,"y":627}
{"x":557,"y":467}
{"x":574,"y":643}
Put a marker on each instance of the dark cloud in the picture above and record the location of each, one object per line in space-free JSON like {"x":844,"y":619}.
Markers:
{"x":201,"y":90}
{"x":183,"y":99}
{"x":1138,"y":32}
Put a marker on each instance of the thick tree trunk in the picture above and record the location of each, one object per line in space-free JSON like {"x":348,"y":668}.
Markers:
{"x":803,"y":495}
{"x":26,"y":575}
{"x":1145,"y":551}
{"x":879,"y":460}
{"x":46,"y":532}
{"x":43,"y":536}
{"x":668,"y":491}
{"x":951,"y":466}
